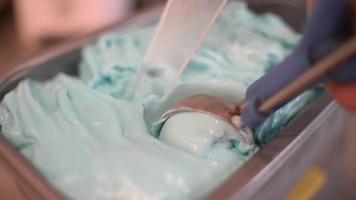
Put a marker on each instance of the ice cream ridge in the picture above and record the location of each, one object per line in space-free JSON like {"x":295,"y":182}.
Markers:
{"x":89,"y":137}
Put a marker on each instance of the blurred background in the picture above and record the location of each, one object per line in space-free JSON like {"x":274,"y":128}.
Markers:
{"x":31,"y":26}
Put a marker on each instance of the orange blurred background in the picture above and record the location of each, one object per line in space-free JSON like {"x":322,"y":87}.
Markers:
{"x":30,"y":26}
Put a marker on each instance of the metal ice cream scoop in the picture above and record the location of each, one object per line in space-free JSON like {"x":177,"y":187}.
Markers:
{"x":230,"y":111}
{"x":218,"y":107}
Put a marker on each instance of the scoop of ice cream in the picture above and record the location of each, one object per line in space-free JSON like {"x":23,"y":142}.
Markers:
{"x":200,"y":133}
{"x":195,"y":132}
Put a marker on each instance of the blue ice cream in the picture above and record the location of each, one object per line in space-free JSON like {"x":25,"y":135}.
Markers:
{"x":88,"y":135}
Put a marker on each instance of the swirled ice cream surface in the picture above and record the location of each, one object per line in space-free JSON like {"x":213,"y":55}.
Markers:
{"x":88,"y":135}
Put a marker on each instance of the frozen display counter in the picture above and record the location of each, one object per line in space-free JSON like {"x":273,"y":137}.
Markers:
{"x":269,"y":174}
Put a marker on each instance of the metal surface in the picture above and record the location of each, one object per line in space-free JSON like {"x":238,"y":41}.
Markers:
{"x":262,"y":177}
{"x":182,"y":28}
{"x":339,"y":162}
{"x":30,"y":183}
{"x":258,"y":176}
{"x":317,"y":145}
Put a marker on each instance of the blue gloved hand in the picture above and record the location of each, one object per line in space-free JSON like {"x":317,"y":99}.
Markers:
{"x":328,"y":26}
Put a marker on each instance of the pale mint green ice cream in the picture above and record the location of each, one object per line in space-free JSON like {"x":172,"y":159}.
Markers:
{"x":88,"y":136}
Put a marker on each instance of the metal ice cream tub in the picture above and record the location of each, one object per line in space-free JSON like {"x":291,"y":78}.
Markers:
{"x":262,"y":177}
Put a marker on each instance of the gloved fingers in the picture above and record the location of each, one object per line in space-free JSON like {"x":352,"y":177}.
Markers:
{"x":267,"y":85}
{"x":346,"y":72}
{"x":330,"y":21}
{"x":250,"y":115}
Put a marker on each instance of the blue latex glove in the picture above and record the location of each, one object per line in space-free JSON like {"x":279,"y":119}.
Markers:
{"x":328,"y":26}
